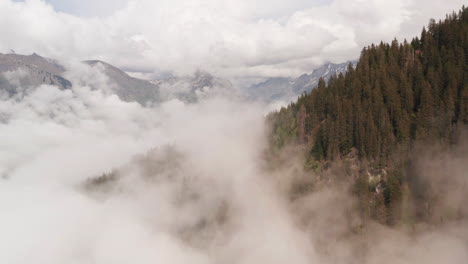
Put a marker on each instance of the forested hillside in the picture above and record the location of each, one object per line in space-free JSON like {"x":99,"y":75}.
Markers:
{"x":399,"y":96}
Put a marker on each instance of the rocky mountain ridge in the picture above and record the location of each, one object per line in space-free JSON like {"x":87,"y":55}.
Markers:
{"x":283,"y":88}
{"x":20,"y":72}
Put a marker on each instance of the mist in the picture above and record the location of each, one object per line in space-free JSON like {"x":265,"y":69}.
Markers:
{"x":189,"y":183}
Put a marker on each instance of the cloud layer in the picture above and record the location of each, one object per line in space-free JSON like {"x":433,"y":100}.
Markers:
{"x":212,"y":200}
{"x":229,"y":38}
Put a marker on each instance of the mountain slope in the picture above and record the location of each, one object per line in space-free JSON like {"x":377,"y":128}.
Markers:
{"x":280,"y":88}
{"x":399,"y":96}
{"x":191,"y":88}
{"x":128,"y":88}
{"x":21,"y":72}
{"x":29,"y":71}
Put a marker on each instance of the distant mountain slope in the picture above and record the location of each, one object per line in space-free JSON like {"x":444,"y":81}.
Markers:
{"x":280,"y":88}
{"x":22,"y":72}
{"x":191,"y":88}
{"x":28,"y":71}
{"x":127,"y":87}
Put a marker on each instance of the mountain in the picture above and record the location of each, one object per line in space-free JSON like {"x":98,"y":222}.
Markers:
{"x":400,"y":100}
{"x":29,"y":71}
{"x":280,"y":88}
{"x":191,"y":88}
{"x":203,"y":84}
{"x":128,"y":88}
{"x":306,"y":82}
{"x":21,"y":72}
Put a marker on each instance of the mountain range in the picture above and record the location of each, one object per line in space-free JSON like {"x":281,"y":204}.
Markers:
{"x":22,"y":72}
{"x":190,"y":88}
{"x":282,"y":88}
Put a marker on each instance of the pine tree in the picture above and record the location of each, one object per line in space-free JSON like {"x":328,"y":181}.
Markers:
{"x":301,"y":124}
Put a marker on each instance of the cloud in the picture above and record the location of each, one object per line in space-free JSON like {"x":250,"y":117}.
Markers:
{"x":88,"y":8}
{"x":53,"y":140}
{"x":229,"y":38}
{"x":193,"y":186}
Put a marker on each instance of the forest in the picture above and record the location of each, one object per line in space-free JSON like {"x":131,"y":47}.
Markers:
{"x":403,"y":99}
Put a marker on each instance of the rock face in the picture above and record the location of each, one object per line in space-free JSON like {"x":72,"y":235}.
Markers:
{"x":23,"y":71}
{"x":280,"y":88}
{"x":128,"y":88}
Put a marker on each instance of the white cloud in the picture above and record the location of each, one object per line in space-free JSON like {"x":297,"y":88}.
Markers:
{"x":229,"y":38}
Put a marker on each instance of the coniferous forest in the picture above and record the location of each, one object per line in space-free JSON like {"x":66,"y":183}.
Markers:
{"x":401,"y":98}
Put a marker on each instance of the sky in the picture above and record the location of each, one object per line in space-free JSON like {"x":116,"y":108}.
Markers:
{"x":229,"y":38}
